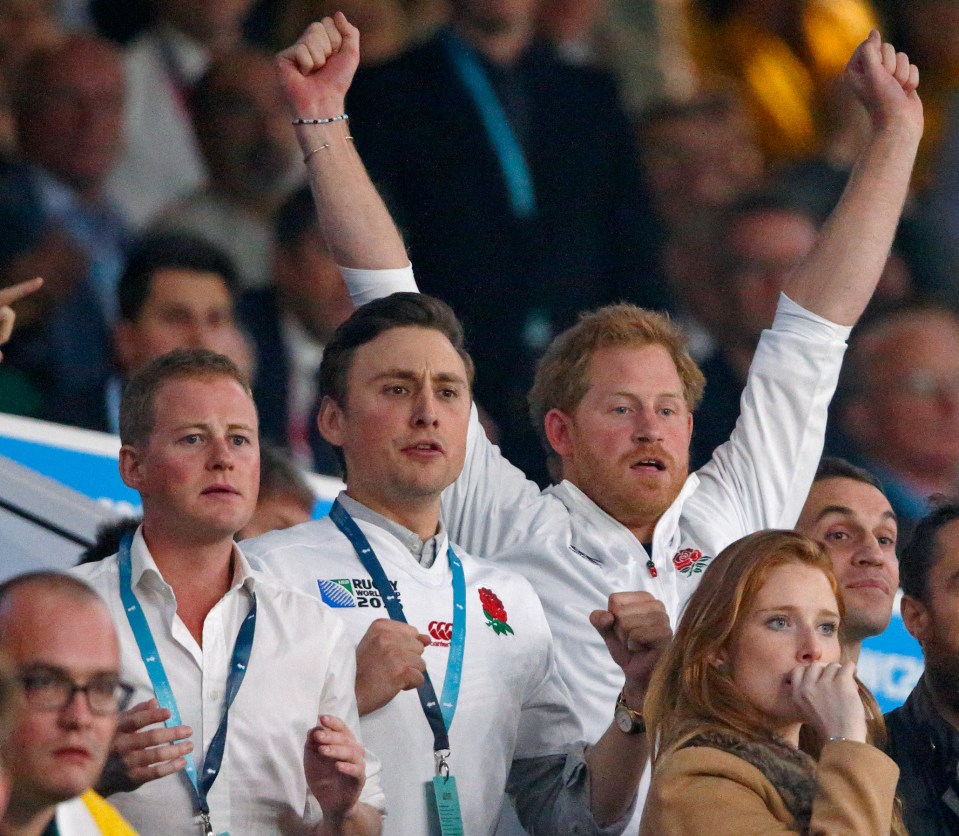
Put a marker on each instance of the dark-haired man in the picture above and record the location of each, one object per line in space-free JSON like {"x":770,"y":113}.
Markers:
{"x":396,"y":385}
{"x":188,"y":607}
{"x":848,"y":512}
{"x":249,"y":153}
{"x":176,"y":291}
{"x":68,"y":107}
{"x":289,"y":322}
{"x":924,"y":732}
{"x":58,"y":635}
{"x":161,"y":159}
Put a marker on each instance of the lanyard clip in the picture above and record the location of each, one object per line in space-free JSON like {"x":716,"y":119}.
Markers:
{"x":442,"y":767}
{"x":205,"y":823}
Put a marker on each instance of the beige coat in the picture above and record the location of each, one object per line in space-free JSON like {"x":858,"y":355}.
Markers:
{"x":701,"y":790}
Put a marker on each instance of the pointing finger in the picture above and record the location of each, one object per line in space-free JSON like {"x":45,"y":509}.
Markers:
{"x":16,"y":292}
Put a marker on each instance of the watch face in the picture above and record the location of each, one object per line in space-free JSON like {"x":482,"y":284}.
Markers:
{"x":623,"y":720}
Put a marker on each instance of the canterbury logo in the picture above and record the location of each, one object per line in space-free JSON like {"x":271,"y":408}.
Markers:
{"x":441,"y":632}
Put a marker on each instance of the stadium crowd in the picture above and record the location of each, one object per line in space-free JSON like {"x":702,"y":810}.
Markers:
{"x":608,"y":546}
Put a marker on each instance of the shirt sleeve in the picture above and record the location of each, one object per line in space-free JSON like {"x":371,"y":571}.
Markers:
{"x":482,"y":508}
{"x":366,"y":285}
{"x":339,"y":699}
{"x":551,"y":795}
{"x":761,"y":476}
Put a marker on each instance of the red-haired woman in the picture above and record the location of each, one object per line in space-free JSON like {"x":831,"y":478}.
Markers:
{"x":755,"y":661}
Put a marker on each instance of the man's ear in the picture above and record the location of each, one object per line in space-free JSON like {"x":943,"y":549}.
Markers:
{"x":556,"y":424}
{"x":915,"y":615}
{"x":330,"y":421}
{"x":124,"y":346}
{"x":131,"y":467}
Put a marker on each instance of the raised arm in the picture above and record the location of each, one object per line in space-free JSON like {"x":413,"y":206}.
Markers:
{"x":837,"y":280}
{"x":316,"y":73}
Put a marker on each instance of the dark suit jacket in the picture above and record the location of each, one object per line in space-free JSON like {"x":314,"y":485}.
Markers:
{"x":260,"y":314}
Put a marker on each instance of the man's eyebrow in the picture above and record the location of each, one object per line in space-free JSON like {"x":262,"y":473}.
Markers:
{"x":408,"y":374}
{"x":623,"y":393}
{"x":200,"y":425}
{"x":846,"y":511}
{"x":449,"y":377}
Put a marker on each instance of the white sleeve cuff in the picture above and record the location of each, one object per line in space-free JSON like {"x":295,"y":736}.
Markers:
{"x":366,"y":285}
{"x":794,"y":318}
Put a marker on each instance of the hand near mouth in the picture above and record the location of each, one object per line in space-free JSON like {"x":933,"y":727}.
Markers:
{"x":828,"y":696}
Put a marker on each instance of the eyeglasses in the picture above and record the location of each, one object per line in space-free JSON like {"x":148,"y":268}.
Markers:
{"x":52,"y":689}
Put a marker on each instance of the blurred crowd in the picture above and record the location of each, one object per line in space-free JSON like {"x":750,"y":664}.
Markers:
{"x":727,"y":166}
{"x":678,"y":155}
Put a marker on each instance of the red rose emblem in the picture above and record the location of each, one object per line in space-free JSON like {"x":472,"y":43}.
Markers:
{"x":494,"y":611}
{"x":690,"y":561}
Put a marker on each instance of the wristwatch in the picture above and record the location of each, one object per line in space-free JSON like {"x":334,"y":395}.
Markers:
{"x":629,"y":721}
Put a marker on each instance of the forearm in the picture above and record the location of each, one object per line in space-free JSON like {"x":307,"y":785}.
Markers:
{"x":856,"y":789}
{"x":354,"y":220}
{"x":615,"y":764}
{"x":361,"y":820}
{"x":839,"y":276}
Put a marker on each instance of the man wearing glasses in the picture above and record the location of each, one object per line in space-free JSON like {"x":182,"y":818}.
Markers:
{"x":59,"y":637}
{"x":900,"y":406}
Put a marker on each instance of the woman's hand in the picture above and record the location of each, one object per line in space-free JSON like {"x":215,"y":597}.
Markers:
{"x":828,"y":697}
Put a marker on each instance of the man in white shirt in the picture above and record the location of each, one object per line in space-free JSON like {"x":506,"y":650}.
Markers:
{"x":187,"y":609}
{"x":396,"y":399}
{"x":162,"y":161}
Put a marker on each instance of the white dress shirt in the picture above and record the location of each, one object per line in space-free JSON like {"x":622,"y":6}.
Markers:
{"x":301,"y":666}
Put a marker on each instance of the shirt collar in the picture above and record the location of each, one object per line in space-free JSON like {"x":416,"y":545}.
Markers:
{"x":424,"y":551}
{"x":572,"y":497}
{"x":191,"y":59}
{"x":143,"y":568}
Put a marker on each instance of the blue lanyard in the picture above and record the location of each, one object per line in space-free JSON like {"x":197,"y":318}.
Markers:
{"x":439,"y":716}
{"x":509,"y":152}
{"x":161,"y":684}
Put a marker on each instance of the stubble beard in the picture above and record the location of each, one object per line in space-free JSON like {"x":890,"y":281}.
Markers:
{"x":942,"y":673}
